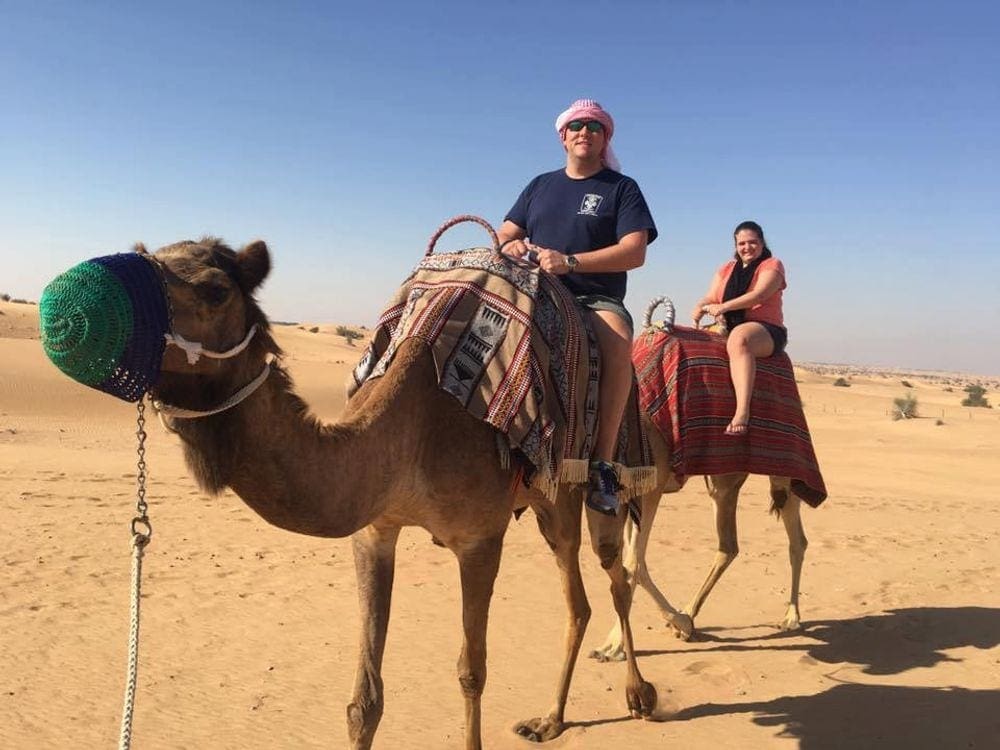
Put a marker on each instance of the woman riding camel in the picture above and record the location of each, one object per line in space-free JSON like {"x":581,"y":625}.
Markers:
{"x":589,"y":224}
{"x":746,"y":294}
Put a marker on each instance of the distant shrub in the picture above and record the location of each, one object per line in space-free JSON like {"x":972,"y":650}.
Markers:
{"x":939,"y":422}
{"x":976,"y":397}
{"x":20,"y":301}
{"x":841,"y":383}
{"x":906,"y":383}
{"x":905,"y":407}
{"x":949,"y":389}
{"x":5,"y":297}
{"x":349,"y":334}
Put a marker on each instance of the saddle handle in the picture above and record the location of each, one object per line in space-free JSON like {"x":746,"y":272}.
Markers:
{"x":668,"y":323}
{"x":458,"y":220}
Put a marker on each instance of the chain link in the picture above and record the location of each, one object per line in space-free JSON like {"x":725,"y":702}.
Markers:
{"x":142,"y":531}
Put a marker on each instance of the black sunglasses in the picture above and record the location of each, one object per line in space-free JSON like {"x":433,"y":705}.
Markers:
{"x":592,"y":126}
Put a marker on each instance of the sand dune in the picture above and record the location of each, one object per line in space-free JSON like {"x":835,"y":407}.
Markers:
{"x":249,"y":632}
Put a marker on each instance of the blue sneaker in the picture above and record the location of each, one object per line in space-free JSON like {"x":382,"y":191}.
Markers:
{"x":603,"y":495}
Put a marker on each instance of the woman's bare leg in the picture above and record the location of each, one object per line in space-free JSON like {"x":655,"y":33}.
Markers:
{"x":745,"y":344}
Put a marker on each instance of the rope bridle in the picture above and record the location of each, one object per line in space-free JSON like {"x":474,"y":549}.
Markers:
{"x":195,"y":350}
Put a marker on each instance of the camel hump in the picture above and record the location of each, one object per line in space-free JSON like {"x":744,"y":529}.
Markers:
{"x":511,"y":344}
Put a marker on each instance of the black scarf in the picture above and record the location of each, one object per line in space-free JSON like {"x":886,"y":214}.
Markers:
{"x":737,"y":285}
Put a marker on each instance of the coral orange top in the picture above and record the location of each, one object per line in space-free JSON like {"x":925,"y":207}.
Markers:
{"x":768,"y":311}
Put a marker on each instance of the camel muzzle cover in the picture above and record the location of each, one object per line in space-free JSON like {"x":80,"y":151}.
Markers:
{"x":103,"y":323}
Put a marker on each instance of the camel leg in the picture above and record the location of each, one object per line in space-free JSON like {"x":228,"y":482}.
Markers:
{"x":478,"y":564}
{"x":725,"y":492}
{"x":561,"y":528}
{"x":637,"y":574}
{"x":606,"y":539}
{"x":797,"y":544}
{"x":374,"y":563}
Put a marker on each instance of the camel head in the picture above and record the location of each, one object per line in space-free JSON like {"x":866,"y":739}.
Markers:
{"x":209,"y":289}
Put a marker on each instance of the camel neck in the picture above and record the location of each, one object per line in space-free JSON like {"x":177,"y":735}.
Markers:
{"x":295,"y":472}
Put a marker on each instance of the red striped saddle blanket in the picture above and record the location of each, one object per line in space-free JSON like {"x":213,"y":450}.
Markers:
{"x":685,"y":388}
{"x":510,"y":343}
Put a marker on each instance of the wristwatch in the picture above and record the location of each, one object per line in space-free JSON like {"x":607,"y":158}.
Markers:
{"x":572,"y":262}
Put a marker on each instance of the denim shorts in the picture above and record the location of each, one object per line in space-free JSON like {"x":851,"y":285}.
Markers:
{"x":603,"y":302}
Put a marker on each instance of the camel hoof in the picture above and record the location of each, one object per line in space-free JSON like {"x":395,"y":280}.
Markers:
{"x":540,"y":729}
{"x":682,"y":625}
{"x":641,"y":700}
{"x":791,"y":621}
{"x":606,"y":654}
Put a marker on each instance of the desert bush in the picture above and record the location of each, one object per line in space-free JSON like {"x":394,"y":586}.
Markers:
{"x":5,"y":297}
{"x":905,"y":407}
{"x":949,"y":389}
{"x":349,"y":334}
{"x":906,"y":383}
{"x":976,"y":397}
{"x":841,"y":383}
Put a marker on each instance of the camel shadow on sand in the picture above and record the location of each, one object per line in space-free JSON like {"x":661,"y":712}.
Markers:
{"x":859,"y":715}
{"x":882,"y":644}
{"x":869,"y":716}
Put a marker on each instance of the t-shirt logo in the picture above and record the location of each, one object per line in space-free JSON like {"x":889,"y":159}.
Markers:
{"x":591,"y":203}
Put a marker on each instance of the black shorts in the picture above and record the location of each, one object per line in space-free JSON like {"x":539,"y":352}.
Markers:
{"x":779,"y":335}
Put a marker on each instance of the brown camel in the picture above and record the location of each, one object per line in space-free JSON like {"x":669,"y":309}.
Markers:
{"x":334,"y":480}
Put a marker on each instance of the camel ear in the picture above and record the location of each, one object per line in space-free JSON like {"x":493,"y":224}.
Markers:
{"x":138,"y":247}
{"x":255,"y":264}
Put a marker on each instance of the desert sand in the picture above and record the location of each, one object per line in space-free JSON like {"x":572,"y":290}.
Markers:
{"x":249,"y":633}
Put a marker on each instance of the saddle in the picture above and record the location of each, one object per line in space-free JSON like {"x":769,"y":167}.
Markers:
{"x":685,"y":388}
{"x":512,"y":345}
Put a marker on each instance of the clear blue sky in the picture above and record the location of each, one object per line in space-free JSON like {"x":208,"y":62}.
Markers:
{"x":863,"y":136}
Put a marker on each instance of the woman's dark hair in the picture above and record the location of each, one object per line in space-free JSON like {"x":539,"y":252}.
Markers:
{"x":754,"y":227}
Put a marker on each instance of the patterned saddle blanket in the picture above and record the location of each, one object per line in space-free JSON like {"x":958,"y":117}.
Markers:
{"x":685,"y":388}
{"x":511,"y":345}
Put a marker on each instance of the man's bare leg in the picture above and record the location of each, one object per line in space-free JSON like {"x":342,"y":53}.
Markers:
{"x":614,"y":337}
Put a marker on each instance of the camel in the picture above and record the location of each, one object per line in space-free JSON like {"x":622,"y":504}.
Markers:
{"x":724,"y":489}
{"x":331,"y":480}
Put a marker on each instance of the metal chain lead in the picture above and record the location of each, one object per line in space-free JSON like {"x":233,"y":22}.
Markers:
{"x":142,"y":530}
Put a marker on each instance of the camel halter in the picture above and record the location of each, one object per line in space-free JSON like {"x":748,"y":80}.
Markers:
{"x":194,"y":351}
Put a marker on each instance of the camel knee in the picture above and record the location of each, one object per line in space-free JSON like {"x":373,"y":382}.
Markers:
{"x":607,"y":551}
{"x":472,"y":683}
{"x":730,"y":553}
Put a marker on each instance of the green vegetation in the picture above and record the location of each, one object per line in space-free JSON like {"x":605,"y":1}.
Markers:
{"x":349,"y":334}
{"x":976,"y":397}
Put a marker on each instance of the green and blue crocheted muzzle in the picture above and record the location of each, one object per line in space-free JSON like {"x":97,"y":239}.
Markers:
{"x":103,"y":323}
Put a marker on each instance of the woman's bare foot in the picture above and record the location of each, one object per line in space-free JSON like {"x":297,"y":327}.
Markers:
{"x":737,"y":428}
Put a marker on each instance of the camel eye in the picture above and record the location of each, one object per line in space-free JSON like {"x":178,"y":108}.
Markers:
{"x":213,"y":293}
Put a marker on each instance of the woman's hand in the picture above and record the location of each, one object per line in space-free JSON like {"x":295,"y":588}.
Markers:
{"x":715,"y":310}
{"x":697,"y":313}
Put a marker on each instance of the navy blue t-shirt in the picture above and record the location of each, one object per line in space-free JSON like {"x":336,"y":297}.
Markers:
{"x":575,"y":216}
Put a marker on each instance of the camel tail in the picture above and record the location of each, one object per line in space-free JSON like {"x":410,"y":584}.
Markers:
{"x":779,"y":496}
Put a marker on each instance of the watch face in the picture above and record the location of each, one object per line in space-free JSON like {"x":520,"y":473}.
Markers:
{"x":571,"y":261}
